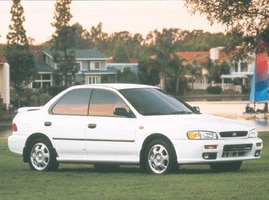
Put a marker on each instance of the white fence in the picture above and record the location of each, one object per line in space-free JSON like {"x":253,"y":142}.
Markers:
{"x":225,"y":86}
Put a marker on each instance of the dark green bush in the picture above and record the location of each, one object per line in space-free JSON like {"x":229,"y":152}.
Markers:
{"x":213,"y":89}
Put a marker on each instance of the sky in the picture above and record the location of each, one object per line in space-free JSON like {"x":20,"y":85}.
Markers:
{"x":140,"y":16}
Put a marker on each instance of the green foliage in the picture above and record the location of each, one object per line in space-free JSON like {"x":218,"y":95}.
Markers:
{"x":250,"y":17}
{"x":214,"y":89}
{"x":17,"y":33}
{"x":20,"y":59}
{"x":216,"y":70}
{"x":127,"y":76}
{"x":29,"y":97}
{"x":53,"y":91}
{"x":199,"y":40}
{"x":148,"y":72}
{"x":64,"y":39}
{"x":22,"y":65}
{"x":84,"y":182}
{"x":243,"y":17}
{"x":62,"y":14}
{"x":119,"y":54}
{"x":98,"y":39}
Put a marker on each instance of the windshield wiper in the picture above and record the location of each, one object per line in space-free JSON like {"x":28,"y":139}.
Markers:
{"x":180,"y":112}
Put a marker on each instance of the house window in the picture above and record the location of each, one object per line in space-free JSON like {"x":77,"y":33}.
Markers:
{"x":42,"y":81}
{"x":236,"y":67}
{"x":91,"y":79}
{"x":96,"y":65}
{"x":46,"y":76}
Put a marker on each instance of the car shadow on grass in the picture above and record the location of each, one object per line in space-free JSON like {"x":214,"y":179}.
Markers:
{"x":132,"y":169}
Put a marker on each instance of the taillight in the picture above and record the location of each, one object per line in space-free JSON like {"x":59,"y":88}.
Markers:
{"x":14,"y":127}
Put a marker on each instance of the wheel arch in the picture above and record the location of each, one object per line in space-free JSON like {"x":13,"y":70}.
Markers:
{"x":32,"y":138}
{"x":152,"y":137}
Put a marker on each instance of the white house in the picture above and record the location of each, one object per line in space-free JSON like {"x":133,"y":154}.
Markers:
{"x":4,"y":81}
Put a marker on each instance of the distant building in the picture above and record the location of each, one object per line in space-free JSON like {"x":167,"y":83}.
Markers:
{"x":241,"y":69}
{"x":4,"y":81}
{"x":91,"y":68}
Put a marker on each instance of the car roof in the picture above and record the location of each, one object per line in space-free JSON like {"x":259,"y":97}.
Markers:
{"x":116,"y":86}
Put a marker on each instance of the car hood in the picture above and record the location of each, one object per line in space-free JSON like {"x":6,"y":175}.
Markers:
{"x":198,"y":122}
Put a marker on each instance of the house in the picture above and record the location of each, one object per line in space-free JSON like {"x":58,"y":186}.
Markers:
{"x":197,"y":58}
{"x":240,"y":70}
{"x":90,"y":64}
{"x":4,"y":81}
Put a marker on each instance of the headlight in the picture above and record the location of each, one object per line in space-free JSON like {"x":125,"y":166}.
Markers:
{"x":253,"y":133}
{"x":202,"y":135}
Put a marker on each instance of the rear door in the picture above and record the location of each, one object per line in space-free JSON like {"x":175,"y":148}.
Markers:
{"x":67,"y":124}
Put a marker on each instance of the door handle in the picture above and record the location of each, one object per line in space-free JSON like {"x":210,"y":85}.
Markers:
{"x":91,"y":125}
{"x":47,"y":123}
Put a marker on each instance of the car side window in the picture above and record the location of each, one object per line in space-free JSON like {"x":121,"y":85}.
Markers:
{"x":107,"y":103}
{"x":75,"y":102}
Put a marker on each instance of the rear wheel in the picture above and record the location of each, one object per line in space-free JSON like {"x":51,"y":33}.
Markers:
{"x":42,"y":156}
{"x":159,"y":158}
{"x":226,"y":166}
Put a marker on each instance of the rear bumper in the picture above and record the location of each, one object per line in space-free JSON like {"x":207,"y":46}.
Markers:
{"x":16,"y":143}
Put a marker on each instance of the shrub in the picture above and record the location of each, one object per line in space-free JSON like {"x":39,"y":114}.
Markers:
{"x":213,"y":89}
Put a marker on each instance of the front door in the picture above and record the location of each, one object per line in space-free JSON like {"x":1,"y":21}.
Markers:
{"x":110,"y":135}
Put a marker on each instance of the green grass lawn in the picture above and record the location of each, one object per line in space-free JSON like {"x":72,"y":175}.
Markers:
{"x":17,"y":181}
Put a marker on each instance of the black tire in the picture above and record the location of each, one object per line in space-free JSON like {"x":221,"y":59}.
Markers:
{"x":159,"y":158}
{"x":42,"y":156}
{"x":226,"y":166}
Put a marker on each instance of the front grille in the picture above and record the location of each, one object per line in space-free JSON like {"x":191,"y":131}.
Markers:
{"x":237,"y":150}
{"x":233,"y":134}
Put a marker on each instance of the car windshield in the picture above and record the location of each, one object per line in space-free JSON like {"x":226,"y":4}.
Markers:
{"x":151,"y":101}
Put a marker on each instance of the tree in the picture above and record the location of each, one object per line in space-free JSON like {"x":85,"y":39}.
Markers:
{"x":148,"y":72}
{"x":119,"y":53}
{"x":249,"y":17}
{"x":127,"y":76}
{"x":64,"y":42}
{"x":81,"y":37}
{"x":198,"y":40}
{"x":17,"y":33}
{"x":98,"y":39}
{"x":178,"y":71}
{"x":21,"y":60}
{"x":162,"y":49}
{"x":193,"y":71}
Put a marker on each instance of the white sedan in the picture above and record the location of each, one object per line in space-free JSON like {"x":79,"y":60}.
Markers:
{"x":114,"y":124}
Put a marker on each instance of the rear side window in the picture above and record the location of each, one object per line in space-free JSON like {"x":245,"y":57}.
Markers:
{"x":104,"y":103}
{"x":75,"y":102}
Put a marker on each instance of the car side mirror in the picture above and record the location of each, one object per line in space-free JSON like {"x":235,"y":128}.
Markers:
{"x":196,"y":109}
{"x":122,"y":112}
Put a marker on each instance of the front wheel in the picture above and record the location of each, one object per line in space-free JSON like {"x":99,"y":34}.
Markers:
{"x":159,"y":158}
{"x":42,"y":156}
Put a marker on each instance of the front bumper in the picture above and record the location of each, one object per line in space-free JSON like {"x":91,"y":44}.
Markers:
{"x":208,"y":151}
